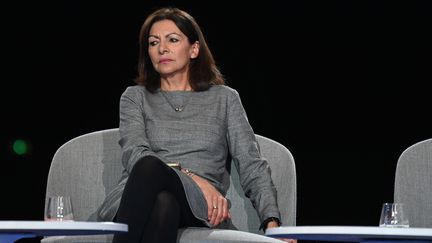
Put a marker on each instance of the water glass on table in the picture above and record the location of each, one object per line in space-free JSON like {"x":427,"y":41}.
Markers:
{"x":58,"y":208}
{"x":393,"y":215}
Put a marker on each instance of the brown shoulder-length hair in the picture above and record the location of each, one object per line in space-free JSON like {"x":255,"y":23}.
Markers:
{"x":203,"y":71}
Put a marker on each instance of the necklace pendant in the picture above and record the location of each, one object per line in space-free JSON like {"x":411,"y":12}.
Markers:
{"x":179,"y":108}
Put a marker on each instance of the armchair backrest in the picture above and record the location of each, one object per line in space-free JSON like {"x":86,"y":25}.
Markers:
{"x":413,"y":183}
{"x":282,"y":167}
{"x":88,"y":167}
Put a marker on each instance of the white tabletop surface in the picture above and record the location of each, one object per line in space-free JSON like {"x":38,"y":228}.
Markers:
{"x":48,"y":228}
{"x":351,"y":233}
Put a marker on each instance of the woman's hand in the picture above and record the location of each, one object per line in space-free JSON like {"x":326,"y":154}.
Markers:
{"x":217,"y":204}
{"x":273,"y":224}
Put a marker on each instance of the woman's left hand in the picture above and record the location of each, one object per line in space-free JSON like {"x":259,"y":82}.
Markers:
{"x":218,"y":210}
{"x":273,"y":224}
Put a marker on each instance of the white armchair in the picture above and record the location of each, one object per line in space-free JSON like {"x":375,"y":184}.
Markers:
{"x":88,"y":167}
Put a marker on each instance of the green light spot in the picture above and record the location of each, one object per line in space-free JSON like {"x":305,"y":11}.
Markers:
{"x":20,"y":147}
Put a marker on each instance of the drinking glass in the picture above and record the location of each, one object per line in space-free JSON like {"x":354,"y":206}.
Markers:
{"x":58,"y":208}
{"x":393,"y":215}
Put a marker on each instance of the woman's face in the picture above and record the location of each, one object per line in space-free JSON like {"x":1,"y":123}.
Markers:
{"x":169,"y":49}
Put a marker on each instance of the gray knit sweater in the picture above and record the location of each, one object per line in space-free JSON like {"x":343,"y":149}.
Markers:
{"x":212,"y":124}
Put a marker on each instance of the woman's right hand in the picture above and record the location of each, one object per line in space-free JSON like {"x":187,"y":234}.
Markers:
{"x":217,"y":204}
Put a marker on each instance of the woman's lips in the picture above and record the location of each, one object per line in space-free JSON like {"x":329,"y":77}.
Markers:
{"x":165,"y":60}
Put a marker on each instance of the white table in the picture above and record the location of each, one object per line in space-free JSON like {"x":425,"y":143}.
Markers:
{"x":353,"y":233}
{"x":10,"y":231}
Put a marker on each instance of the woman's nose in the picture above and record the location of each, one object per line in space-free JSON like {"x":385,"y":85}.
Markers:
{"x":163,"y":48}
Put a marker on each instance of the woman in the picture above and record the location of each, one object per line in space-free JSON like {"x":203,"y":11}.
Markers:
{"x":182,"y":112}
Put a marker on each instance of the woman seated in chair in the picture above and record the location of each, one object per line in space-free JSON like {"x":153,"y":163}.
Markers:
{"x":180,"y":111}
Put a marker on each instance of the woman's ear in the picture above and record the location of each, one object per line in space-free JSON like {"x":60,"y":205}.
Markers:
{"x":195,"y":50}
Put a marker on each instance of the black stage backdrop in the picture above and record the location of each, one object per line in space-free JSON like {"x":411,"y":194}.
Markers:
{"x":342,"y":84}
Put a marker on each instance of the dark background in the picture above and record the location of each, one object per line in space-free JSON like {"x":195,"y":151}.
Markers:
{"x":344,"y":85}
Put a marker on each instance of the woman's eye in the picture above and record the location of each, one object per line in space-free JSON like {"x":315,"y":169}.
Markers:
{"x":173,"y":40}
{"x":153,"y":43}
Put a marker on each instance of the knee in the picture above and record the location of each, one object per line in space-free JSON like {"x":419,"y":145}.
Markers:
{"x":148,"y":165}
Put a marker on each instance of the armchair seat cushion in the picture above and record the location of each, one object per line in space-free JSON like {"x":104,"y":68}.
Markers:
{"x":187,"y":235}
{"x":195,"y":235}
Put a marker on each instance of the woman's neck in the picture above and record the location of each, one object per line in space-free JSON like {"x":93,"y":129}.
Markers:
{"x":175,"y":85}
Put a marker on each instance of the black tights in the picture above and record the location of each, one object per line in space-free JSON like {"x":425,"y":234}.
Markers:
{"x":153,"y":205}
